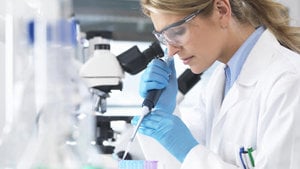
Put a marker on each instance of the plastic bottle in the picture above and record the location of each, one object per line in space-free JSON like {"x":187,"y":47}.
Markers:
{"x":20,"y":109}
{"x":84,"y":128}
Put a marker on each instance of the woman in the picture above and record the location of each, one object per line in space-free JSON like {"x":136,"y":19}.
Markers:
{"x":249,"y":114}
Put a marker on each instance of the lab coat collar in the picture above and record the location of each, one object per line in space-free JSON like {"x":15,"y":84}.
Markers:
{"x":259,"y":57}
{"x":253,"y":68}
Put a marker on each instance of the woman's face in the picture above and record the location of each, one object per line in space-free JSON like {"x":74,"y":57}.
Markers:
{"x":205,"y":42}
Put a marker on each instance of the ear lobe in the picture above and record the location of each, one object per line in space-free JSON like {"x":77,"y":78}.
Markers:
{"x":224,"y":11}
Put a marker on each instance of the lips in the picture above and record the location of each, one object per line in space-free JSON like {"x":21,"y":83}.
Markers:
{"x":186,"y":60}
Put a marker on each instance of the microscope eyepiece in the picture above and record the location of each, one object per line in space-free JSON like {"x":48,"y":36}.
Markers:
{"x":187,"y":80}
{"x":153,"y":51}
{"x":134,"y":61}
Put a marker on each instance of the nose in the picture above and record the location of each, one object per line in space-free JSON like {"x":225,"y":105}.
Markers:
{"x":172,"y":50}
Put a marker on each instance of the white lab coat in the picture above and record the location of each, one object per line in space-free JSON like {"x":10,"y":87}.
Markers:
{"x":261,"y":110}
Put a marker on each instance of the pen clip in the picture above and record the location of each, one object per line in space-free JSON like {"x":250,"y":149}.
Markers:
{"x":249,"y":151}
{"x":242,"y":151}
{"x":249,"y":155}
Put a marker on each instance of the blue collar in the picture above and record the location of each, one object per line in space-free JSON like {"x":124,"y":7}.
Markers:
{"x":235,"y":64}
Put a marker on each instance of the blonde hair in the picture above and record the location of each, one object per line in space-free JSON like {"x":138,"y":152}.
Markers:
{"x":272,"y":15}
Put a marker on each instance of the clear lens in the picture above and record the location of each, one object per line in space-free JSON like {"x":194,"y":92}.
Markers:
{"x":176,"y":35}
{"x":160,"y":37}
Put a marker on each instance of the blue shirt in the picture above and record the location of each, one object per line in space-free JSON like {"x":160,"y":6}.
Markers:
{"x":235,"y":64}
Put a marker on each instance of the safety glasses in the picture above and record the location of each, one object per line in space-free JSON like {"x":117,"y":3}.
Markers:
{"x":175,"y":34}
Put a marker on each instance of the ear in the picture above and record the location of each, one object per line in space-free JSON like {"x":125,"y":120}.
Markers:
{"x":224,"y":12}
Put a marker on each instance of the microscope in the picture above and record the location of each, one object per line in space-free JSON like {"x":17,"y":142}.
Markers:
{"x":103,"y":72}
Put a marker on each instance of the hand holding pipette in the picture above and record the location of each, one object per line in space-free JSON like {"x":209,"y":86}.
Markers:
{"x":168,"y":129}
{"x":154,"y":80}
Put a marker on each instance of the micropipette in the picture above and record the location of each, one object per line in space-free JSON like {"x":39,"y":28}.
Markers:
{"x":149,"y":102}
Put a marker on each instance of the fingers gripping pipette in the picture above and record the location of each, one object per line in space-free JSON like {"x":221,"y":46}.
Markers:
{"x":149,"y":103}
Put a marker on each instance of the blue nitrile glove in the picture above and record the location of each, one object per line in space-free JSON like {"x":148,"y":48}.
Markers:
{"x":161,"y":75}
{"x":170,"y":131}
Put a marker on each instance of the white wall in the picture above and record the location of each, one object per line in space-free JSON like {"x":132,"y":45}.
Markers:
{"x":2,"y":85}
{"x":294,"y":7}
{"x":2,"y":67}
